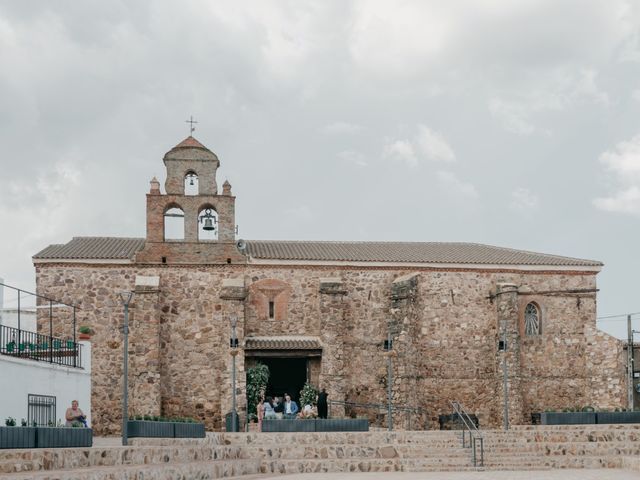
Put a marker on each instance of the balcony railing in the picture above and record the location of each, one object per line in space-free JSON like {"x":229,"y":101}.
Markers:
{"x":44,"y":348}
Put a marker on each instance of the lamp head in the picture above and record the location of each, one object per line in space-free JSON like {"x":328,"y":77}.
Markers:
{"x":126,"y":296}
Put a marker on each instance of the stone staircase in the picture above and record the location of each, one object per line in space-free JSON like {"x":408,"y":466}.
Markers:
{"x":226,"y":455}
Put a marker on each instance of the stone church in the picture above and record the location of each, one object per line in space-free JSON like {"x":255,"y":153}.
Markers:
{"x":321,"y":311}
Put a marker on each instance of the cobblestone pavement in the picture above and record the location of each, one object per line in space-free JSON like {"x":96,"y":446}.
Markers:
{"x":603,"y":474}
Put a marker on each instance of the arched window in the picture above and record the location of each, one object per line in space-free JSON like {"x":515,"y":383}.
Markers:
{"x":174,"y":224}
{"x":191,"y":183}
{"x":531,"y":319}
{"x":207,"y":223}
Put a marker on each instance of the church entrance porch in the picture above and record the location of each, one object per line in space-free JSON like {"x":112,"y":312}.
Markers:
{"x":286,"y":375}
{"x":292,"y":361}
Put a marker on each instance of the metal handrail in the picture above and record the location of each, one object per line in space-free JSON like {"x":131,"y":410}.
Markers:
{"x":475,"y":436}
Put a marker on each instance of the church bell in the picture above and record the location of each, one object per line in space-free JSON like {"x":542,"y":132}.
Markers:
{"x":208,"y":225}
{"x":208,"y":220}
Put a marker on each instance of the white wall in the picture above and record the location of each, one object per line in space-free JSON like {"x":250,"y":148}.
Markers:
{"x":21,"y":377}
{"x":28,"y":319}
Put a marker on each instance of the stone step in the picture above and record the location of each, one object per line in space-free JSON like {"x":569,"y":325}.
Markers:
{"x":360,"y":438}
{"x":350,"y":451}
{"x":586,"y":461}
{"x":363,"y":465}
{"x":170,"y":471}
{"x":558,"y":437}
{"x":629,"y":426}
{"x":65,"y":458}
{"x":578,"y":448}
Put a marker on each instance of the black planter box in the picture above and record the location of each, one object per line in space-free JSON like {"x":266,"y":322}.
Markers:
{"x":342,"y":425}
{"x":568,"y":418}
{"x":17,"y":437}
{"x":618,"y":417}
{"x":63,"y":437}
{"x":144,"y":428}
{"x":288,"y":425}
{"x":189,"y":430}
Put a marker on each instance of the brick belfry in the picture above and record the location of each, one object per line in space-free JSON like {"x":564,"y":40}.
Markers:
{"x":190,"y":158}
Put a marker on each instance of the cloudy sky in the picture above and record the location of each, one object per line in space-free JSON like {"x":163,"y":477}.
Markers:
{"x":509,"y":123}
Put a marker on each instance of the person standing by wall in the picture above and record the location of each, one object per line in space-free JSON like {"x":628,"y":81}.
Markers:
{"x":322,"y":403}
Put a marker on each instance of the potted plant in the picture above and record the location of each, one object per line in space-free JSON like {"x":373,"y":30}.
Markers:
{"x":17,"y":437}
{"x":85,"y":332}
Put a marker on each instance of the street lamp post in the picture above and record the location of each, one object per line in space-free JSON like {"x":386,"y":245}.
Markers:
{"x":505,"y":378}
{"x":126,"y":298}
{"x":233,"y":343}
{"x":388,"y":347}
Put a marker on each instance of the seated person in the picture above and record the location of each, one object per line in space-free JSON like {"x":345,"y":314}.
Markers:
{"x":290,"y":407}
{"x":74,"y":416}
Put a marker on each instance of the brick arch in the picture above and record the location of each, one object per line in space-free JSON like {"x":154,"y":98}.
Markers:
{"x":172,"y":204}
{"x":206,"y":205}
{"x":169,"y":231}
{"x":190,"y":190}
{"x":262,"y":292}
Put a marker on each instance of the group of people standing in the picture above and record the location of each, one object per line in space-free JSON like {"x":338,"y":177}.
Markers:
{"x":285,"y":407}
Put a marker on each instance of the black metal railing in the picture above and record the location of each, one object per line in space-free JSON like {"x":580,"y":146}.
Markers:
{"x":34,"y":346}
{"x":475,"y":437}
{"x":412,"y":415}
{"x":41,"y":410}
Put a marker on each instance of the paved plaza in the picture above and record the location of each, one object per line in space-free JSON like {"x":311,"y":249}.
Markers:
{"x":578,"y":474}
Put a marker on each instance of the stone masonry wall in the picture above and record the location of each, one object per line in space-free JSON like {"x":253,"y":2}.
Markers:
{"x":446,"y":338}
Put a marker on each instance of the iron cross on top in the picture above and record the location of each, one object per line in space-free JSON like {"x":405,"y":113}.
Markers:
{"x":191,"y":121}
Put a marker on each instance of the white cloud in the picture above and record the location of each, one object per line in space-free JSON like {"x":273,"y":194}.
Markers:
{"x":624,"y":201}
{"x":522,"y":199}
{"x":453,"y":185}
{"x":433,"y":145}
{"x":623,"y":164}
{"x":426,"y":144}
{"x":401,"y":150}
{"x":558,"y":92}
{"x":342,"y":128}
{"x":513,"y":116}
{"x":354,"y":157}
{"x":636,"y":95}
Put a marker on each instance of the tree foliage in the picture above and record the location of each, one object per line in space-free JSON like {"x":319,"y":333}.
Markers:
{"x":257,"y":379}
{"x":308,"y":395}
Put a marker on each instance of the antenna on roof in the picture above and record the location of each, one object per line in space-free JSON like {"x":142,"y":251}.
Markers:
{"x":191,"y":121}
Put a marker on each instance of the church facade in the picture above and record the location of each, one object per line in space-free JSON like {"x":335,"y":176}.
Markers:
{"x":457,"y":315}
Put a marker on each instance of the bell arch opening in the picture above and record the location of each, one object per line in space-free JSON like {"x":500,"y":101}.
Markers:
{"x":174,"y":223}
{"x":207,"y":223}
{"x":191,"y":185}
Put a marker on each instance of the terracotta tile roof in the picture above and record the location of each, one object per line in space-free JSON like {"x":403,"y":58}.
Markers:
{"x":112,"y":248}
{"x":190,"y":142}
{"x":94,"y":248}
{"x":406,"y":252}
{"x":282,"y":342}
